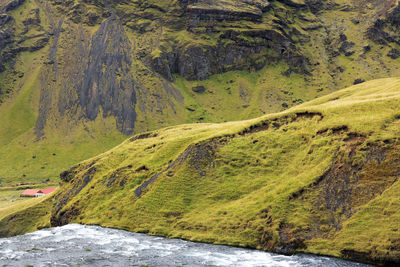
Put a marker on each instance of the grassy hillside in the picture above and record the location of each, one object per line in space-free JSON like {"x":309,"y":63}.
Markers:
{"x":322,"y":177}
{"x":19,"y":215}
{"x":10,"y":200}
{"x":168,"y":63}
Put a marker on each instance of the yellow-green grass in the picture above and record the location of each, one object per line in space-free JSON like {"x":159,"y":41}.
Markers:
{"x":28,"y":216}
{"x":243,"y":183}
{"x":11,"y":202}
{"x":19,"y":215}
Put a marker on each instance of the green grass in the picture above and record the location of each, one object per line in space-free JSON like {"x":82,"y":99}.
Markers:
{"x":28,"y":216}
{"x":242,"y":189}
{"x":11,"y":202}
{"x":242,"y":94}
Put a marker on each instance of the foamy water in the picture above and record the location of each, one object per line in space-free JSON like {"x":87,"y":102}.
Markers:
{"x":80,"y":245}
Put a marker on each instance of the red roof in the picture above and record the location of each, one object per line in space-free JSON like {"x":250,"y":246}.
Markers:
{"x":29,"y":192}
{"x":47,"y":190}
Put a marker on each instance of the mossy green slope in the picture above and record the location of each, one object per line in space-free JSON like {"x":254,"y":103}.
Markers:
{"x":321,"y":177}
{"x":28,"y":219}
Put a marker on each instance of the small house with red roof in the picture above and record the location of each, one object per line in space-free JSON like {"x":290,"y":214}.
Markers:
{"x":38,"y":193}
{"x":29,"y":193}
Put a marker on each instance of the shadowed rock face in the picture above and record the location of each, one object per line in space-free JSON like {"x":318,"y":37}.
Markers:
{"x":96,"y":80}
{"x":107,"y":83}
{"x":385,"y":29}
{"x":121,"y":59}
{"x":235,"y":48}
{"x":201,"y":11}
{"x":10,"y":5}
{"x":4,"y":32}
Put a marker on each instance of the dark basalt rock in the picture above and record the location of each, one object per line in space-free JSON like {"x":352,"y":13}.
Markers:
{"x":5,"y":41}
{"x":366,"y":48}
{"x":13,"y":4}
{"x":366,"y":257}
{"x":4,"y":19}
{"x":45,"y":97}
{"x":38,"y":44}
{"x":234,"y":49}
{"x":291,"y":247}
{"x":358,"y":81}
{"x":316,"y":6}
{"x":101,"y":83}
{"x":386,"y":30}
{"x":67,"y":176}
{"x":394,"y":53}
{"x":195,"y":62}
{"x":347,"y":48}
{"x":394,"y":16}
{"x":5,"y":35}
{"x":11,"y":43}
{"x":199,"y":62}
{"x":59,"y":216}
{"x":294,"y":3}
{"x":64,"y":217}
{"x":166,"y":65}
{"x":204,"y":11}
{"x":199,"y":89}
{"x":377,"y":34}
{"x":111,"y":90}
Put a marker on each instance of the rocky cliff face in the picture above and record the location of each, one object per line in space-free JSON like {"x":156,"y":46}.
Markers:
{"x":100,"y":81}
{"x":385,"y":31}
{"x":13,"y":41}
{"x":120,"y":49}
{"x":227,"y":45}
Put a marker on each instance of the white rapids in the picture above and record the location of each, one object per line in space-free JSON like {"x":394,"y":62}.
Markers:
{"x":81,"y":245}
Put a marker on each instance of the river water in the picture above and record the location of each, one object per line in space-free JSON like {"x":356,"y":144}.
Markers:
{"x":80,"y":245}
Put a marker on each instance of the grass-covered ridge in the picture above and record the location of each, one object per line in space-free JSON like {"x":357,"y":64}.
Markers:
{"x":320,"y":178}
{"x":19,"y":215}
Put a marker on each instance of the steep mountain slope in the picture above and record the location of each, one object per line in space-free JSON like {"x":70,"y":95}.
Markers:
{"x":77,"y":76}
{"x":322,"y":177}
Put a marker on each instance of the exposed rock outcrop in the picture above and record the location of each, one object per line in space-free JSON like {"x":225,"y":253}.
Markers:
{"x":214,"y":11}
{"x":5,"y":38}
{"x":385,"y":30}
{"x":112,"y":90}
{"x":234,"y":49}
{"x":12,"y":4}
